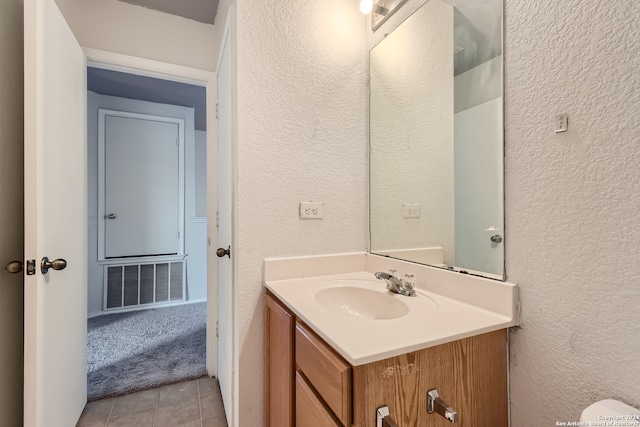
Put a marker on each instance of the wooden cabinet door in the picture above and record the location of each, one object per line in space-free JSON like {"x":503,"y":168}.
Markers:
{"x":278,"y":364}
{"x":402,"y":383}
{"x":481,"y":380}
{"x":469,"y":374}
{"x":327,"y":373}
{"x":310,"y":411}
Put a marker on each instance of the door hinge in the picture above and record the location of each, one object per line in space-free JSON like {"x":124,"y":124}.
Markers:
{"x":178,"y":234}
{"x":177,"y":142}
{"x":217,"y":105}
{"x":217,"y":219}
{"x":217,"y":328}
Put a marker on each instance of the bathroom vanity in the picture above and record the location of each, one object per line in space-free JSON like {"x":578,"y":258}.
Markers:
{"x":309,"y":384}
{"x":334,"y":354}
{"x":343,"y":350}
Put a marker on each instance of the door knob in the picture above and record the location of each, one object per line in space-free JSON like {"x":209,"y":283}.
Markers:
{"x":112,"y":216}
{"x":56,"y":264}
{"x":496,"y":238}
{"x":222,"y":252}
{"x":14,"y":267}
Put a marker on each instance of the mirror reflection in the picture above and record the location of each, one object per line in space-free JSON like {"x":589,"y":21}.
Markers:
{"x":436,"y":138}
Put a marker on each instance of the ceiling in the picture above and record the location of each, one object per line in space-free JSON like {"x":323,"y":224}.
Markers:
{"x":198,"y":10}
{"x":131,"y":86}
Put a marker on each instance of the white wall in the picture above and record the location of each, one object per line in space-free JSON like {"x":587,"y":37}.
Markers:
{"x":572,"y":205}
{"x":301,"y":136}
{"x":572,"y":199}
{"x":195,"y":230}
{"x":11,"y":203}
{"x":411,"y":122}
{"x":134,"y":30}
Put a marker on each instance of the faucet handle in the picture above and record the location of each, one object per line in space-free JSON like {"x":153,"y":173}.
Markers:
{"x":408,"y":281}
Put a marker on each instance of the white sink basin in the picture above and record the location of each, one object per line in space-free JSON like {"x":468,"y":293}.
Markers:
{"x":362,"y":302}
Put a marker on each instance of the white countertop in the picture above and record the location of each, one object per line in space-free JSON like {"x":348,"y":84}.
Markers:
{"x":432,"y":319}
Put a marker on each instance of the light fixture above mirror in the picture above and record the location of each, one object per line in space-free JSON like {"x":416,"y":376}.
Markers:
{"x":380,"y":10}
{"x":366,"y":6}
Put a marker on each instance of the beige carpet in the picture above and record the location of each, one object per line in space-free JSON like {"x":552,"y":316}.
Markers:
{"x":133,"y":351}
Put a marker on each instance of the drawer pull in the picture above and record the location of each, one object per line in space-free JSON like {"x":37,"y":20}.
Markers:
{"x":383,"y":419}
{"x":439,"y":406}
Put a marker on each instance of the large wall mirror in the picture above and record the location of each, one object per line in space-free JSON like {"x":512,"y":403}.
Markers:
{"x":437,"y":138}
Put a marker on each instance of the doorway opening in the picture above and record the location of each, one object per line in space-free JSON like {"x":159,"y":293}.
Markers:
{"x":147,"y":245}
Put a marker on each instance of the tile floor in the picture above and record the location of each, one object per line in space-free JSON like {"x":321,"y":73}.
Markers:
{"x":195,"y":403}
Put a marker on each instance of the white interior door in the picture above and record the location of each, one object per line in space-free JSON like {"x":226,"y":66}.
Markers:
{"x":142,"y":197}
{"x":479,"y":213}
{"x":225,"y":289}
{"x":55,"y":213}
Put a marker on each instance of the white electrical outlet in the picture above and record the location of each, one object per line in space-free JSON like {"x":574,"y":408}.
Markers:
{"x":411,"y":210}
{"x":311,"y":210}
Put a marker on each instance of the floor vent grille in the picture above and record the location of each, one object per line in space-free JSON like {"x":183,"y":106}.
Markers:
{"x":132,"y":285}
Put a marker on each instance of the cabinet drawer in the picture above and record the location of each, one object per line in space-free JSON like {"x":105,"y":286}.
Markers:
{"x":327,"y":373}
{"x":310,"y":411}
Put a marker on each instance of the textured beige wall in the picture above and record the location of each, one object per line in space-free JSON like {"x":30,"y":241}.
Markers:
{"x":573,"y":205}
{"x":301,"y":136}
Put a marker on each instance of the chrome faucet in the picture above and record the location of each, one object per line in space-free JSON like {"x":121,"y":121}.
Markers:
{"x":396,"y":285}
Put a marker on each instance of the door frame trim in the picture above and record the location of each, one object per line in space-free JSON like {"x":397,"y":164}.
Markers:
{"x":146,"y":67}
{"x":151,"y":68}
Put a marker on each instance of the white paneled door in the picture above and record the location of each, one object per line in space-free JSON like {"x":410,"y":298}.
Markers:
{"x":479,"y":214}
{"x":140,"y":193}
{"x":55,"y":213}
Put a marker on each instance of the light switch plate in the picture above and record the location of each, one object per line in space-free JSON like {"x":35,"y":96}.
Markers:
{"x":561,"y":123}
